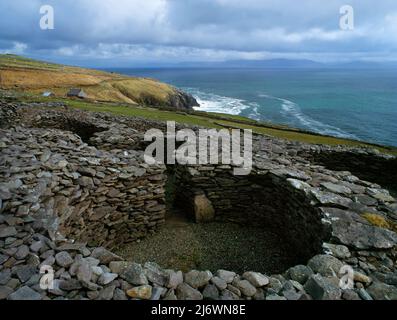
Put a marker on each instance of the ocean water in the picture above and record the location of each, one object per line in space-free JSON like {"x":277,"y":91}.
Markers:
{"x":356,"y":103}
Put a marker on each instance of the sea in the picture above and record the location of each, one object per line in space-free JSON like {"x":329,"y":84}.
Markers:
{"x":351,"y":103}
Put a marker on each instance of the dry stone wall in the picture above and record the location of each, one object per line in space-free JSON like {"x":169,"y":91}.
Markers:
{"x":375,"y":167}
{"x":262,"y":200}
{"x":77,"y":191}
{"x":63,"y":200}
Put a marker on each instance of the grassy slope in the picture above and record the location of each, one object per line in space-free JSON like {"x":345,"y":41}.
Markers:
{"x":19,"y":73}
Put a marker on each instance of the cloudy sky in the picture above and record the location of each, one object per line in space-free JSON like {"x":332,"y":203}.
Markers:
{"x":139,"y":32}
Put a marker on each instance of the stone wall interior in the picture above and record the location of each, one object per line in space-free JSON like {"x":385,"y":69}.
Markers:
{"x":381,"y":169}
{"x":74,"y":186}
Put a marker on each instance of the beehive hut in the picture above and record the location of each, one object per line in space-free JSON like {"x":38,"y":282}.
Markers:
{"x":78,"y":93}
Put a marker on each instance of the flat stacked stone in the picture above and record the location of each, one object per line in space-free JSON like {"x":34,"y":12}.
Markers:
{"x":65,"y":204}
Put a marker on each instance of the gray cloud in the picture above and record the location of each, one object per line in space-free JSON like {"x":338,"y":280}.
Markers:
{"x":173,"y":30}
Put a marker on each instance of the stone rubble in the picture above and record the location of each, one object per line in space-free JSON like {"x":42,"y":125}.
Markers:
{"x":66,"y":203}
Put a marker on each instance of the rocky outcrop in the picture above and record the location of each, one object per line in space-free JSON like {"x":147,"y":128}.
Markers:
{"x":66,"y":202}
{"x":182,"y":100}
{"x":176,"y":99}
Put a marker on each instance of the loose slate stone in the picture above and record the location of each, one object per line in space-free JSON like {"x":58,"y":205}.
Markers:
{"x":210,"y":292}
{"x":256,"y":279}
{"x":330,"y":199}
{"x":56,"y":290}
{"x":220,"y":283}
{"x":363,"y":236}
{"x":298,"y":184}
{"x":174,"y":279}
{"x":142,"y":292}
{"x":22,"y":252}
{"x":154,"y":274}
{"x":381,"y":195}
{"x":104,"y":255}
{"x":63,"y":259}
{"x":186,"y":292}
{"x":6,"y":232}
{"x":107,"y":293}
{"x":119,"y":295}
{"x":25,"y":272}
{"x":119,"y":266}
{"x":107,"y":278}
{"x":228,"y":295}
{"x":198,"y":279}
{"x":325,"y":265}
{"x":157,"y":292}
{"x":3,"y":258}
{"x":275,"y":297}
{"x":70,"y":285}
{"x":5,"y":276}
{"x":336,"y":188}
{"x":321,"y":288}
{"x":338,"y":251}
{"x":134,"y":275}
{"x":37,"y":246}
{"x":170,"y":295}
{"x":350,"y":295}
{"x":364,"y":295}
{"x":228,"y":276}
{"x":382,"y":291}
{"x":5,"y":292}
{"x":245,"y":287}
{"x":300,"y":273}
{"x":24,"y":293}
{"x":84,"y":272}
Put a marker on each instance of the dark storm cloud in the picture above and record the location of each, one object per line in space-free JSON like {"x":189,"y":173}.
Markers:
{"x":174,"y":30}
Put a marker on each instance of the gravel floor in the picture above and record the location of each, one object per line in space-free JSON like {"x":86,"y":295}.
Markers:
{"x":184,"y":245}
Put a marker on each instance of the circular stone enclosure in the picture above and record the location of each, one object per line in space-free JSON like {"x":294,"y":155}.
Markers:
{"x":217,"y":221}
{"x":213,"y":220}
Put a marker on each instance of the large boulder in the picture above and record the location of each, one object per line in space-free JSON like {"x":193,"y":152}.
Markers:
{"x":135,"y":275}
{"x":300,"y":273}
{"x":203,"y":209}
{"x":382,"y":291}
{"x":325,"y":265}
{"x":198,"y":279}
{"x":323,"y":288}
{"x":142,"y":292}
{"x":186,"y":292}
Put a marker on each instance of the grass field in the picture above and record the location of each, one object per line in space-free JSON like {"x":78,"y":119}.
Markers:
{"x":28,"y":75}
{"x":217,"y":121}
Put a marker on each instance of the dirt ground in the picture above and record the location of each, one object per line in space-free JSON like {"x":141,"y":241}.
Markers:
{"x":184,"y":245}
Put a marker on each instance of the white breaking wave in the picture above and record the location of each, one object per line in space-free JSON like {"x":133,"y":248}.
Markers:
{"x":255,"y":113}
{"x":210,"y":102}
{"x":291,"y":109}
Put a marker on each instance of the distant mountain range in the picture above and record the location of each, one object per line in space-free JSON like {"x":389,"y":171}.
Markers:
{"x":284,"y":63}
{"x":265,"y":63}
